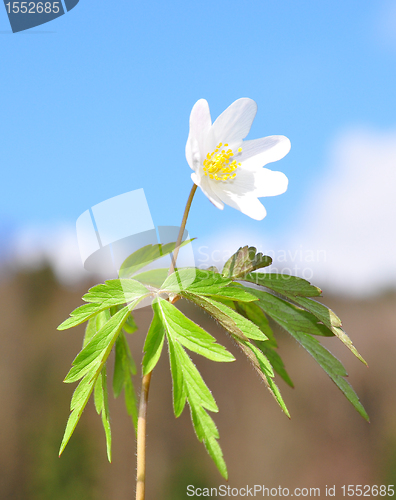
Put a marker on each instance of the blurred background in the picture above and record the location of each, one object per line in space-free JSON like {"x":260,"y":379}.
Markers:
{"x":96,"y":104}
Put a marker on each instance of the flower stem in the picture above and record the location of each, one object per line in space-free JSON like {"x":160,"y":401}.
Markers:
{"x":142,"y":419}
{"x":182,"y":228}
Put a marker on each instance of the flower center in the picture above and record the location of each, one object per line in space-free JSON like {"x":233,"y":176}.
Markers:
{"x":217,"y":165}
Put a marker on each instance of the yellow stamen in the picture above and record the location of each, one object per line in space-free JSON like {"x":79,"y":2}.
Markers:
{"x":219,"y":166}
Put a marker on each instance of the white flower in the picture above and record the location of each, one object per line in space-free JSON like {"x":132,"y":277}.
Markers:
{"x":228,"y":169}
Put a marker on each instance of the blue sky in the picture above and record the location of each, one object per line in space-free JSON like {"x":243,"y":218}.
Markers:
{"x":96,"y":102}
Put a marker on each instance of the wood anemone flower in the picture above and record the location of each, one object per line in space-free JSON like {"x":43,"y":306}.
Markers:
{"x":228,"y":169}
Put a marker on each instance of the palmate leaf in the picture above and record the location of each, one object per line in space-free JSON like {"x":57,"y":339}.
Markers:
{"x":236,"y":324}
{"x":301,"y":327}
{"x":188,"y":384}
{"x":88,"y":365}
{"x":245,"y":260}
{"x":153,"y":277}
{"x":212,"y":307}
{"x":203,"y":282}
{"x":190,"y":335}
{"x":145,"y":256}
{"x":194,"y":280}
{"x":242,"y":329}
{"x":298,"y":290}
{"x":103,"y":296}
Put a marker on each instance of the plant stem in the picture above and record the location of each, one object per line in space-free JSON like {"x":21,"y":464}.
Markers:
{"x":182,"y":228}
{"x":141,"y":438}
{"x":142,"y":419}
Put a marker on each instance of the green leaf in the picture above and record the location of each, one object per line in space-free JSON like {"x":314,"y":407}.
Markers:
{"x":332,"y":367}
{"x":297,"y":290}
{"x":130,"y":326}
{"x":264,"y":369}
{"x":245,"y":260}
{"x":207,"y":432}
{"x":188,"y":384}
{"x":101,"y":343}
{"x":228,"y":318}
{"x":179,"y":388}
{"x":121,"y":368}
{"x":186,"y":379}
{"x":90,"y":330}
{"x":296,"y":317}
{"x":98,"y":393}
{"x":190,"y":335}
{"x":154,"y":277}
{"x":154,"y":342}
{"x":146,"y":255}
{"x":102,"y":407}
{"x":116,"y":292}
{"x":284,"y":284}
{"x":88,"y":365}
{"x":80,"y":315}
{"x":124,"y":368}
{"x":331,"y":320}
{"x":196,"y":387}
{"x":232,"y":293}
{"x":213,"y":308}
{"x":131,"y":401}
{"x":276,"y":308}
{"x":104,"y":296}
{"x":194,"y":280}
{"x":275,"y":360}
{"x":256,"y":315}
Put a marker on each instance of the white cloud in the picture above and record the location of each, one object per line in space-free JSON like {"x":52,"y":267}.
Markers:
{"x":34,"y":246}
{"x":352,"y":214}
{"x":345,"y":241}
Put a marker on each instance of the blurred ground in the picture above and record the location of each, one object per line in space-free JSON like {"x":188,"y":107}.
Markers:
{"x":325,"y":443}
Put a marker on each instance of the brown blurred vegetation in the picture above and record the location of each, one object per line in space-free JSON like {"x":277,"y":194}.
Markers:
{"x":325,"y":443}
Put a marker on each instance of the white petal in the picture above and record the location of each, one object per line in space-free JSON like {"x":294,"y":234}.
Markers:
{"x":243,"y":184}
{"x":269,"y":183}
{"x":234,"y":123}
{"x":205,"y":187}
{"x":247,"y":204}
{"x":200,"y":123}
{"x":259,"y":152}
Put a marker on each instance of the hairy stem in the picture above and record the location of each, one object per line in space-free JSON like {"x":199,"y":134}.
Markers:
{"x":141,"y":438}
{"x":142,"y":420}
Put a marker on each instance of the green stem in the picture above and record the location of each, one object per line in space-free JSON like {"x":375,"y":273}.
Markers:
{"x":142,"y":420}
